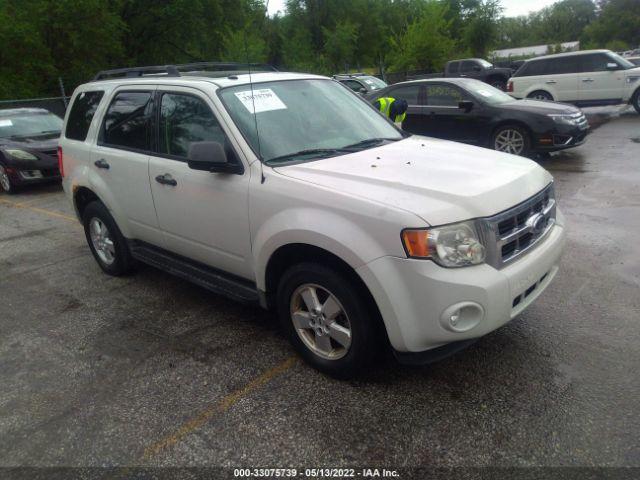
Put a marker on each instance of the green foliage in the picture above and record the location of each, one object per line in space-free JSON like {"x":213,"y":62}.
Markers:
{"x":73,"y":39}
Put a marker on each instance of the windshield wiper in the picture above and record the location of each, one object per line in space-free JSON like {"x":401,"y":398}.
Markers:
{"x":370,"y":142}
{"x":311,"y":151}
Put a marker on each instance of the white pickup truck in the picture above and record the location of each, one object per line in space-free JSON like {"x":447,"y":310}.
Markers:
{"x":290,"y":191}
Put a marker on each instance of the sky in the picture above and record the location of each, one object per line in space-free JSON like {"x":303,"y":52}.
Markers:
{"x":512,"y":8}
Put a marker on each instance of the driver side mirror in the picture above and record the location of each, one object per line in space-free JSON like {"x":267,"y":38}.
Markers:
{"x":211,"y":157}
{"x":613,"y":66}
{"x":362,"y":91}
{"x":466,"y":105}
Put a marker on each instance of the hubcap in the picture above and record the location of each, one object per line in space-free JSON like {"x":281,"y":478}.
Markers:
{"x":540,"y":96}
{"x":509,"y":141}
{"x":4,"y":179}
{"x":101,"y":240}
{"x":320,"y":321}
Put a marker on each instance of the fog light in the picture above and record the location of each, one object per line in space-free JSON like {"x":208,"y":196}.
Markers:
{"x":462,"y":316}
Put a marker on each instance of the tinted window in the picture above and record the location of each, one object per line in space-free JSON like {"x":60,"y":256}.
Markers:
{"x":353,"y":85}
{"x":409,"y":93}
{"x":467,"y":66}
{"x":561,"y":65}
{"x":185,"y":119}
{"x":596,"y":62}
{"x":127,"y":122}
{"x":453,"y":67}
{"x":82,"y":112}
{"x":443,"y":95}
{"x":539,"y":67}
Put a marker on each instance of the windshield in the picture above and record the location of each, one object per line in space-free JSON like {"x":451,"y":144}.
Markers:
{"x":304,"y":119}
{"x":374,"y":82}
{"x":487,"y":93}
{"x":621,"y":60}
{"x":30,"y":125}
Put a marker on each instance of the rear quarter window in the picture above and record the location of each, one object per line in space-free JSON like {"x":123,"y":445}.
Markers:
{"x":82,"y":111}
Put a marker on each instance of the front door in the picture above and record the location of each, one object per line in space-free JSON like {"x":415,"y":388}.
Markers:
{"x":414,"y":121}
{"x":203,"y":215}
{"x":597,"y":82}
{"x":121,"y":160}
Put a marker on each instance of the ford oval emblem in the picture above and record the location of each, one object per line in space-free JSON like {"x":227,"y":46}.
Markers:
{"x":537,"y":222}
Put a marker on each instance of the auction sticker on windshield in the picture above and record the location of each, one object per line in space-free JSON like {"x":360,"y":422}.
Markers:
{"x":264,"y":100}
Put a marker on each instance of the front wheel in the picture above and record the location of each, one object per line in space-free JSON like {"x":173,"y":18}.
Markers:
{"x":327,"y":320}
{"x":5,"y":181}
{"x":635,"y":101}
{"x":541,"y":95}
{"x":511,"y":139}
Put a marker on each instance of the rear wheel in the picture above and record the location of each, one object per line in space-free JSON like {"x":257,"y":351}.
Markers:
{"x":512,"y":139}
{"x":327,"y":320}
{"x":541,"y":95}
{"x":5,"y":181}
{"x":105,"y":240}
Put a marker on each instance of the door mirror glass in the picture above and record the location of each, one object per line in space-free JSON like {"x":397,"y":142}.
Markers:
{"x":466,"y":105}
{"x":210,"y":157}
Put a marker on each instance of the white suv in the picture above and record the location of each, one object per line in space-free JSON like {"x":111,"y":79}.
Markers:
{"x":586,"y":78}
{"x":290,"y":191}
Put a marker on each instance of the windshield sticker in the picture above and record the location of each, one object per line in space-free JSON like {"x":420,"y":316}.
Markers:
{"x":5,"y":122}
{"x":265,"y":100}
{"x":370,"y":82}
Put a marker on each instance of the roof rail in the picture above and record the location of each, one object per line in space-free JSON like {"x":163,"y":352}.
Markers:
{"x":174,"y":70}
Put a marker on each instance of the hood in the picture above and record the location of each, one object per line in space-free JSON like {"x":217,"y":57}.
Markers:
{"x":438,"y":180}
{"x":43,"y":147}
{"x":539,"y":106}
{"x":506,"y":71}
{"x":632,"y":72}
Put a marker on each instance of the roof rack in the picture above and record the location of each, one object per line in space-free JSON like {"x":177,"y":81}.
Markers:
{"x":174,"y":70}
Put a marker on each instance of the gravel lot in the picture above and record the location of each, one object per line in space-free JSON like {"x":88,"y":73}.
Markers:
{"x":150,"y":370}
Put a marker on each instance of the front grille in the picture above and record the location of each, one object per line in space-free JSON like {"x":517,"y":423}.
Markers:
{"x":508,"y":235}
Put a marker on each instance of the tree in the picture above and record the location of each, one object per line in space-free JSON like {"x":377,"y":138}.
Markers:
{"x":618,"y":20}
{"x":340,"y":44}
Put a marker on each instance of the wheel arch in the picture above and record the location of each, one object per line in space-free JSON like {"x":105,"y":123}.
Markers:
{"x":535,"y":90}
{"x":83,"y":196}
{"x":506,"y":122}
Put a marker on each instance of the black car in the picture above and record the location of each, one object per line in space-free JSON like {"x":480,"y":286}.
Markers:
{"x":470,"y":111}
{"x":361,"y":83}
{"x":28,"y":147}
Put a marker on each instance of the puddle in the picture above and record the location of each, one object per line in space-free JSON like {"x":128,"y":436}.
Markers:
{"x":635,"y":140}
{"x":565,"y":161}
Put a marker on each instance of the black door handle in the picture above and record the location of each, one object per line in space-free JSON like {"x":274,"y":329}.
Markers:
{"x":166,"y":179}
{"x":102,"y":163}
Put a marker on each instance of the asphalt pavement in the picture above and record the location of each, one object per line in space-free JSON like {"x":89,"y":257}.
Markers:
{"x":149,"y":370}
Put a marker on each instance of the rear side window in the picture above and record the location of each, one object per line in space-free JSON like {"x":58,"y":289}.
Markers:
{"x":127,"y":123}
{"x":562,"y":65}
{"x":410,"y":93}
{"x":353,"y":85}
{"x":82,"y":111}
{"x":185,"y":119}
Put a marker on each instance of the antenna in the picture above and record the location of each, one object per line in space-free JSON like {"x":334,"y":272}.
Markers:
{"x":255,"y":114}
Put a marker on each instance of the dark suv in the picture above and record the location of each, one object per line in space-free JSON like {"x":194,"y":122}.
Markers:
{"x":28,"y":147}
{"x":479,"y":69}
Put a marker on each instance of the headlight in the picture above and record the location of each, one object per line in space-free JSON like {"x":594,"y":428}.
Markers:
{"x":562,"y":118}
{"x":20,"y":154}
{"x":455,"y":245}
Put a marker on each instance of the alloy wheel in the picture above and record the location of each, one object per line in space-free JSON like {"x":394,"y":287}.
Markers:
{"x":4,"y":179}
{"x":101,"y":240}
{"x":320,"y":321}
{"x":509,"y":140}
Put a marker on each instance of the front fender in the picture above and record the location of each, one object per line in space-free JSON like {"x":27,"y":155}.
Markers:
{"x":312,"y":226}
{"x":105,"y":194}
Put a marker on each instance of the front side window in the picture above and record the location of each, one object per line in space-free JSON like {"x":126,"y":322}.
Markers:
{"x":563,"y":65}
{"x":353,"y":85}
{"x":127,"y":123}
{"x":185,"y":119}
{"x":453,"y":67}
{"x":596,"y":62}
{"x":301,"y":120}
{"x":467,"y":66}
{"x":441,"y":95}
{"x":82,"y":111}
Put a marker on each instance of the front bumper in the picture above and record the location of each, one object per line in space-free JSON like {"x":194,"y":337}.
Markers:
{"x":560,"y":138}
{"x":417,"y":297}
{"x":30,"y":177}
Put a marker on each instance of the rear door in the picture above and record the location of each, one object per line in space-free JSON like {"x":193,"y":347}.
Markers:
{"x":413,"y":94}
{"x":445,"y":119}
{"x":121,"y":159}
{"x":562,"y":78}
{"x":598,"y":83}
{"x":203,"y":215}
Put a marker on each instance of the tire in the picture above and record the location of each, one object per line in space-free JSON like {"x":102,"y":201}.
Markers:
{"x":635,"y":100}
{"x":108,"y":246}
{"x":6,"y":184}
{"x":342,"y":347}
{"x":512,"y":139}
{"x":541,"y":95}
{"x":498,"y":83}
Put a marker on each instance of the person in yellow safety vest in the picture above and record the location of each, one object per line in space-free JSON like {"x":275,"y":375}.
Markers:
{"x":394,"y":109}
